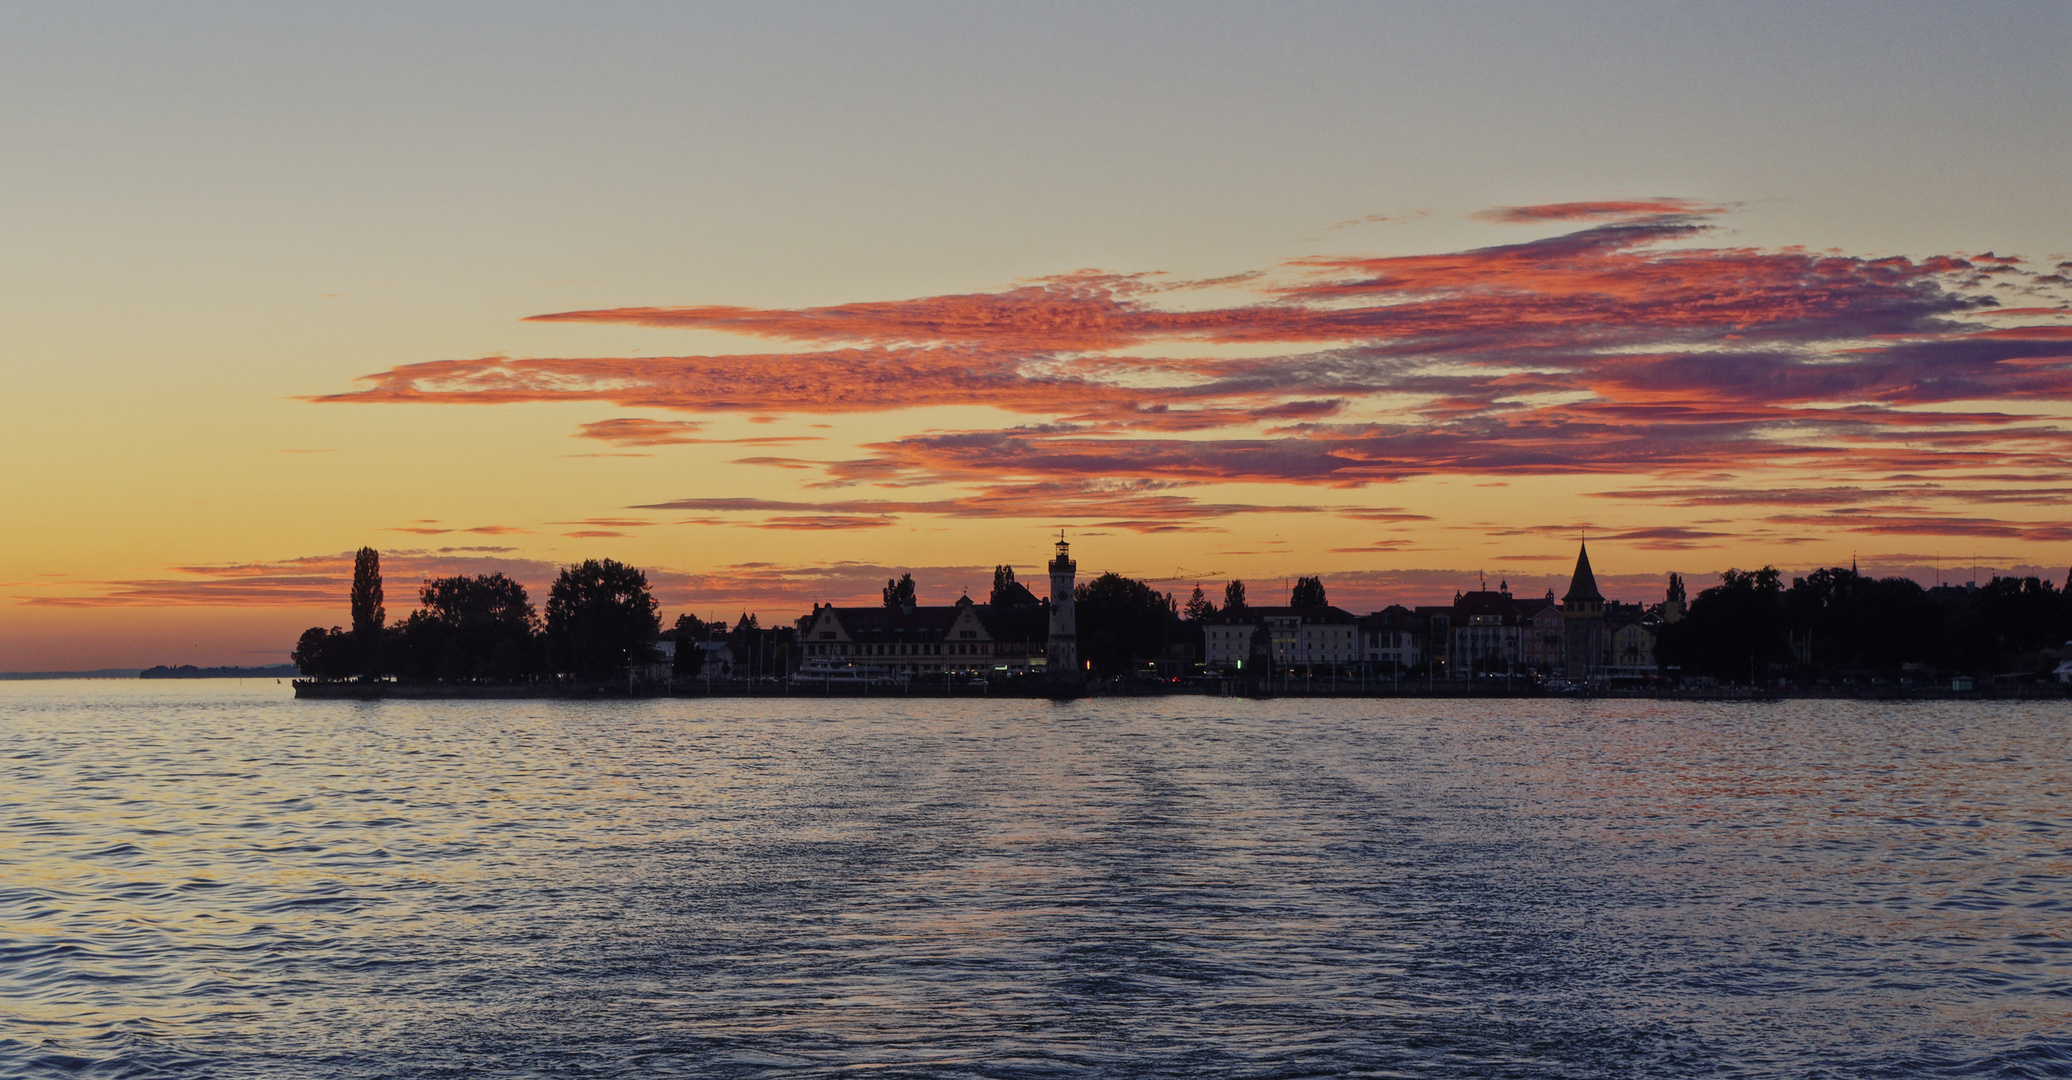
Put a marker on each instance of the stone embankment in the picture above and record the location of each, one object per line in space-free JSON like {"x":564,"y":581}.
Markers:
{"x":1038,"y":688}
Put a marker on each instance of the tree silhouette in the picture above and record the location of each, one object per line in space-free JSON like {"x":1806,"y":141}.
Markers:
{"x":1846,"y":620}
{"x":484,"y":600}
{"x":1234,"y":598}
{"x":1734,"y":630}
{"x":480,"y":627}
{"x":368,"y":612}
{"x":1308,"y":593}
{"x":1122,"y":622}
{"x":900,"y":594}
{"x":2028,"y":613}
{"x":1198,"y":607}
{"x":327,"y":654}
{"x":601,"y":618}
{"x":688,"y":633}
{"x":1003,"y":586}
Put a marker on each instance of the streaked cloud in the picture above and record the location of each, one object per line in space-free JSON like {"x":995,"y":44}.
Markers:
{"x":1877,"y":522}
{"x":434,"y":529}
{"x":1151,"y":506}
{"x":1593,"y":211}
{"x":306,"y":582}
{"x":818,"y":522}
{"x":1626,"y":347}
{"x":1649,"y":538}
{"x":642,"y":431}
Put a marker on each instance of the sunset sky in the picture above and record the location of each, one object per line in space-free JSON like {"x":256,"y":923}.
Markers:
{"x":776,"y":301}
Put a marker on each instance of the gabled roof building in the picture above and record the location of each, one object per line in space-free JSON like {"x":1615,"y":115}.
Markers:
{"x":964,"y":636}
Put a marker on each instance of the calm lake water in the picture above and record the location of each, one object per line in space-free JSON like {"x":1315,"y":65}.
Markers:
{"x":211,"y":879}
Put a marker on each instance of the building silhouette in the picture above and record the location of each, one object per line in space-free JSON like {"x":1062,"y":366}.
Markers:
{"x":1583,"y":640}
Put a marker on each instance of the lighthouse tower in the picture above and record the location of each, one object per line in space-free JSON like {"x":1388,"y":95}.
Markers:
{"x":1063,"y":650}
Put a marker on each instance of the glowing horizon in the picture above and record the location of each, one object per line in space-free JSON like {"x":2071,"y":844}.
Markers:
{"x":1701,"y":363}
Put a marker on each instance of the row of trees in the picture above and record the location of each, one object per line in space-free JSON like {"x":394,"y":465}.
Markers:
{"x":600,"y":618}
{"x":1836,"y":620}
{"x":1125,"y":623}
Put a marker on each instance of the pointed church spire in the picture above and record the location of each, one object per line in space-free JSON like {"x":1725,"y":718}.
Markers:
{"x":1584,"y":585}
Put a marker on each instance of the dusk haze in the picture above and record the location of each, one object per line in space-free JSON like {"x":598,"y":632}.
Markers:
{"x":771,"y":303}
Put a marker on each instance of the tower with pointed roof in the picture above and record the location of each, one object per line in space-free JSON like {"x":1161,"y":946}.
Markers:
{"x":1583,"y":637}
{"x":1062,"y":656}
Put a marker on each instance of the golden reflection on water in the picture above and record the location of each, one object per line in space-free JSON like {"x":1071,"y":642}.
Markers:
{"x":212,"y":871}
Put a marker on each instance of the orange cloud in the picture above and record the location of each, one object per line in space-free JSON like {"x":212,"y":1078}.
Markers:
{"x":1613,"y":349}
{"x":640,"y":431}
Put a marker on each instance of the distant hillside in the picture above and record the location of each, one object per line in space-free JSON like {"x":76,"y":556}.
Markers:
{"x":189,"y":671}
{"x":97,"y":673}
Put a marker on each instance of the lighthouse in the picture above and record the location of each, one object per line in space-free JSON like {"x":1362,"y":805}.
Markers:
{"x":1063,"y":647}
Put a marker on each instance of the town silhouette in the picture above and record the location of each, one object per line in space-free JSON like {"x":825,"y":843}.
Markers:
{"x":1833,"y":630}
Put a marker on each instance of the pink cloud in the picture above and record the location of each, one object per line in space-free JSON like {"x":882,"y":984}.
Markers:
{"x":1615,"y":349}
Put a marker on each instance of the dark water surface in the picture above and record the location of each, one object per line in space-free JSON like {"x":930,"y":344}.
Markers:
{"x":209,"y":879}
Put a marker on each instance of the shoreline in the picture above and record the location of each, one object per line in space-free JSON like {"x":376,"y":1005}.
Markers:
{"x":352,"y":691}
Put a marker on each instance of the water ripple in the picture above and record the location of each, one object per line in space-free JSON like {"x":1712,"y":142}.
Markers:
{"x":210,"y":880}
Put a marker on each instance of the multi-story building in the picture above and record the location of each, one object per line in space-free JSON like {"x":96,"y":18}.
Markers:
{"x":1227,"y":642}
{"x":962,"y":637}
{"x":1631,"y":635}
{"x":1313,"y":639}
{"x":888,"y":641}
{"x":1485,"y":632}
{"x":1539,"y":634}
{"x":1438,"y":641}
{"x":1019,"y":634}
{"x":1391,"y":640}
